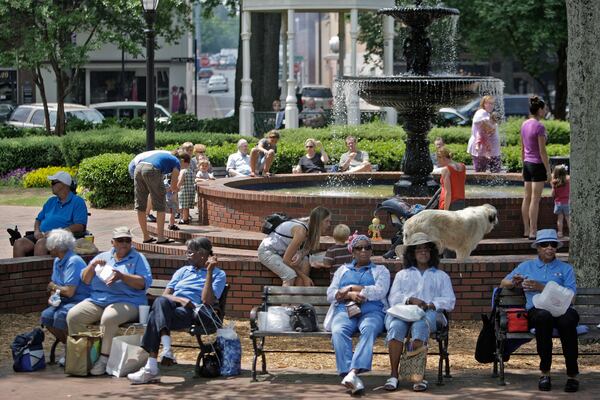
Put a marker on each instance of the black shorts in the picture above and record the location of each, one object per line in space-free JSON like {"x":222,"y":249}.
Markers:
{"x":533,"y":172}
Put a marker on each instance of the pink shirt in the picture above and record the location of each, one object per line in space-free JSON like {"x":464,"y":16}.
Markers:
{"x":530,"y":131}
{"x":561,"y":194}
{"x":492,"y":142}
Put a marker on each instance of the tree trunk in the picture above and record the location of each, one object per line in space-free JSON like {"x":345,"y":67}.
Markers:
{"x":264,"y":66}
{"x":584,"y":81}
{"x":560,"y":100}
{"x":38,"y":80}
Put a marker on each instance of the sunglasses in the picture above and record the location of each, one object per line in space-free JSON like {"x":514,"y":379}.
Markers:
{"x":123,"y":240}
{"x":54,"y":182}
{"x":554,"y":245}
{"x":361,"y":248}
{"x":309,"y":147}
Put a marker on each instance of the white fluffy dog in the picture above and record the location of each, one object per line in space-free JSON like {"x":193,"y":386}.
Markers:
{"x":459,"y":231}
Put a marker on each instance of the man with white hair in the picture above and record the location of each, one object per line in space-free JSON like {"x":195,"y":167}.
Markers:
{"x":63,"y":210}
{"x":238,"y":164}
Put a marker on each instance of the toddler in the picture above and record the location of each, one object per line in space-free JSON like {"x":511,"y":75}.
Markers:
{"x":203,"y":175}
{"x":171,"y":204}
{"x":187,"y":189}
{"x":561,"y":186}
{"x":200,"y":153}
{"x":338,"y":254}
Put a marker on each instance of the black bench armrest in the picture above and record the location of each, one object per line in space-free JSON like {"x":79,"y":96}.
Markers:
{"x":254,"y":318}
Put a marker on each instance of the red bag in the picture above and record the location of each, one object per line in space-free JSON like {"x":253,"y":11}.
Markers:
{"x":517,"y":320}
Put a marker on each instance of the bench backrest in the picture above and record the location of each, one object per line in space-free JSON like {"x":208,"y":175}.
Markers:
{"x":294,"y":295}
{"x":587,"y":303}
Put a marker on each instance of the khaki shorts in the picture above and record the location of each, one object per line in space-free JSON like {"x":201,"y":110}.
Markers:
{"x":149,"y":180}
{"x":274,"y":262}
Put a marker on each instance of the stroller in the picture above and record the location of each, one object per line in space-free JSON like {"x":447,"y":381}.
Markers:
{"x":399,"y":211}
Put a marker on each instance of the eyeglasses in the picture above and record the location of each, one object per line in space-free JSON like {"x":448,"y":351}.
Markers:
{"x":54,"y":182}
{"x":554,"y":245}
{"x":308,"y":146}
{"x":123,"y":240}
{"x":361,"y":248}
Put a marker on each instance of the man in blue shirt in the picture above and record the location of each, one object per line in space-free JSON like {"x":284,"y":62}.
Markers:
{"x":188,"y":299}
{"x":148,"y":180}
{"x":63,"y":210}
{"x":532,"y":276}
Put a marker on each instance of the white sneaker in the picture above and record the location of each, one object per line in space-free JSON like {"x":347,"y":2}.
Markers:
{"x":143,"y":376}
{"x":167,"y":358}
{"x":99,"y":367}
{"x":61,"y":362}
{"x":353,"y":382}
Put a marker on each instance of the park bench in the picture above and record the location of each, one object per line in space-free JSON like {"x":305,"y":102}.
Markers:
{"x":317,"y":296}
{"x":156,"y":290}
{"x":587,"y":304}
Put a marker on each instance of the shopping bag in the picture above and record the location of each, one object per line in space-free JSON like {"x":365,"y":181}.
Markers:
{"x":28,"y":351}
{"x":229,"y":348}
{"x":412,"y":364}
{"x":126,"y":355}
{"x":83,"y":350}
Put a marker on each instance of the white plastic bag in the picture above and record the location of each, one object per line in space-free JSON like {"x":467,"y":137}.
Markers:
{"x":554,"y":298}
{"x":278,"y":319}
{"x":126,"y":355}
{"x":406,"y":312}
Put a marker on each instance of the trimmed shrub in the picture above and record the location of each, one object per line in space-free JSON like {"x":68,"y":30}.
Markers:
{"x":30,"y":152}
{"x":106,"y":181}
{"x":39,"y":177}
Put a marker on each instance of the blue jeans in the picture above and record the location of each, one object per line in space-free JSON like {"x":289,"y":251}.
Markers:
{"x":397,"y":329}
{"x":56,"y":317}
{"x":342,"y":328}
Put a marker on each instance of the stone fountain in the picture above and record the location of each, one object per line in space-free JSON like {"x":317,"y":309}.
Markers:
{"x":417,"y":95}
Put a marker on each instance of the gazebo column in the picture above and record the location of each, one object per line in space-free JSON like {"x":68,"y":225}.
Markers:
{"x":291,"y":104}
{"x":353,"y":99}
{"x":246,"y":107}
{"x":284,"y":65}
{"x":391,"y":116}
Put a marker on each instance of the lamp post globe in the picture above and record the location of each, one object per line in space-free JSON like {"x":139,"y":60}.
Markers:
{"x":150,"y":16}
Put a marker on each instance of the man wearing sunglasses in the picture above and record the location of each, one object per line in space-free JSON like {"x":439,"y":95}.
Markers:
{"x":532,"y":276}
{"x":64,"y":210}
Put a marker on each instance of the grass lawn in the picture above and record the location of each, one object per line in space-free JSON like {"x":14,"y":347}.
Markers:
{"x":17,"y":196}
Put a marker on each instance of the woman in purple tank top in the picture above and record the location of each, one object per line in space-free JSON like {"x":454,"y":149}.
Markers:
{"x":536,"y":167}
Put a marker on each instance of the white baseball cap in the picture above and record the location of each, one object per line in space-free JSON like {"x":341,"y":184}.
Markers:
{"x":61,"y":176}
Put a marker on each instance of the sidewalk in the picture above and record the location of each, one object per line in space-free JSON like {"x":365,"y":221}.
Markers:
{"x":178,"y":383}
{"x":101,"y":223}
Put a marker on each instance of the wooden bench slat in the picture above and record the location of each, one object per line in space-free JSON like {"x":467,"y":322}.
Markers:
{"x":296,"y":290}
{"x":591,"y":300}
{"x":588,"y":291}
{"x":287,"y":299}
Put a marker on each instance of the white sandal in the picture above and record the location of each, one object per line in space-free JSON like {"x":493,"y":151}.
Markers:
{"x":391,"y":384}
{"x":420,"y":386}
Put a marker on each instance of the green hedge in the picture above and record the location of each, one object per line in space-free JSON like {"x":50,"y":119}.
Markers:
{"x":30,"y":152}
{"x":105,"y":181}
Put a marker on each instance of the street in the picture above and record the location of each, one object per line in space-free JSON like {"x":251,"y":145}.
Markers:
{"x":214,"y":105}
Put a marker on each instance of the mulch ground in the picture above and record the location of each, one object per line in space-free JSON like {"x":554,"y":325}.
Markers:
{"x":463,"y":337}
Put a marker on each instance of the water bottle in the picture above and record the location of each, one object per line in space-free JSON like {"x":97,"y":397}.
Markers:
{"x":55,"y":298}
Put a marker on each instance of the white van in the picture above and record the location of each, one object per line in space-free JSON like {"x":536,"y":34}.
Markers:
{"x":130,"y":109}
{"x":32,"y":115}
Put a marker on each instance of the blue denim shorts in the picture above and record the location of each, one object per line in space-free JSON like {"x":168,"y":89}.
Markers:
{"x":561,"y":209}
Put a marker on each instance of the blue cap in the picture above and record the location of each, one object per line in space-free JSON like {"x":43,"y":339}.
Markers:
{"x":546,"y":235}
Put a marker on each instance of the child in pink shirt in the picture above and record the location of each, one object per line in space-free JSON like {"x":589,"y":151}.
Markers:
{"x":561,"y":185}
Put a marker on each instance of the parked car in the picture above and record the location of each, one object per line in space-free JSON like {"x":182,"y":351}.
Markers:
{"x":5,"y":111}
{"x":32,"y":115}
{"x":205,"y":73}
{"x":515,"y":105}
{"x":218,"y":83}
{"x":322,"y":95}
{"x":450,"y":117}
{"x":130,"y":109}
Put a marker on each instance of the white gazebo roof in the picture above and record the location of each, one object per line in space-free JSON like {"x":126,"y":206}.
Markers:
{"x":315,"y":5}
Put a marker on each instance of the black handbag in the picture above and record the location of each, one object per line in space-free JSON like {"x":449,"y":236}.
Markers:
{"x":304,"y":318}
{"x":485,"y":349}
{"x":210,"y":366}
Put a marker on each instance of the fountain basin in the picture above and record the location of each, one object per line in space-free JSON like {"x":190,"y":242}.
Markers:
{"x":409,"y":93}
{"x":242,"y":203}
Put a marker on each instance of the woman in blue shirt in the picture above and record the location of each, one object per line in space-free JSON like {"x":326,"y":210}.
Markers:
{"x":357,"y":284}
{"x":66,"y":279}
{"x":118,"y":279}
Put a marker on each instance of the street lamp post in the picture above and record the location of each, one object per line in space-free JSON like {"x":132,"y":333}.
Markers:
{"x":150,"y":15}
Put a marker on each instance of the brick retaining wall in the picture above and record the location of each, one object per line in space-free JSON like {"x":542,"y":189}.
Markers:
{"x":23,"y":281}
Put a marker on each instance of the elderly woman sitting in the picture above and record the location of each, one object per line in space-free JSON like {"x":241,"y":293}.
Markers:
{"x":188,"y":299}
{"x":358,"y":296}
{"x":118,"y":278}
{"x":420,"y":283}
{"x":66,"y":280}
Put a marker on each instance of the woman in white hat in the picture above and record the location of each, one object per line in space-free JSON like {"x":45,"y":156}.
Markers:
{"x":420,"y":283}
{"x":532,"y":276}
